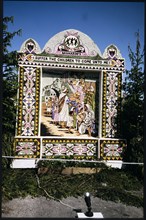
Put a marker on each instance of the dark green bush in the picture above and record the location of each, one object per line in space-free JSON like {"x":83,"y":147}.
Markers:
{"x":117,"y":195}
{"x":109,"y":184}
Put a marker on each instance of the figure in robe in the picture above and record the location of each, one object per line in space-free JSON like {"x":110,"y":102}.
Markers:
{"x":88,"y":122}
{"x":63,"y":108}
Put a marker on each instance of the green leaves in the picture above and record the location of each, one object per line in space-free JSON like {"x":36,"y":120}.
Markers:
{"x":133,"y":105}
{"x":7,"y":36}
{"x":10,"y":85}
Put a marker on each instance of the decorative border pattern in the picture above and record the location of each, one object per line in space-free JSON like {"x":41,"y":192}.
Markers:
{"x":104,"y":67}
{"x":27,"y":147}
{"x":29,"y":92}
{"x":119,"y":105}
{"x":69,"y":148}
{"x":111,"y":104}
{"x":111,"y":149}
{"x":104,"y":105}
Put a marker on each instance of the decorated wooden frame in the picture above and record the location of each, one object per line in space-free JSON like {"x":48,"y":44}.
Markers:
{"x":69,"y":99}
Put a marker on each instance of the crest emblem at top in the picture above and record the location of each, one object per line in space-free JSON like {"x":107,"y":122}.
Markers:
{"x":71,"y":42}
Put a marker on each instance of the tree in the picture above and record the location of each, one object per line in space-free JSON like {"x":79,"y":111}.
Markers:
{"x":133,"y":105}
{"x":9,"y":88}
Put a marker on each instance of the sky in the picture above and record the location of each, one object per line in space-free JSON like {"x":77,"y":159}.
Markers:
{"x":104,"y":22}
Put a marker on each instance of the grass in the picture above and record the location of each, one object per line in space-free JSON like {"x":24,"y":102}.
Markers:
{"x":109,"y":184}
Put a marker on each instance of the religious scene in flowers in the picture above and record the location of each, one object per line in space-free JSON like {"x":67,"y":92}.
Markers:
{"x":68,"y":106}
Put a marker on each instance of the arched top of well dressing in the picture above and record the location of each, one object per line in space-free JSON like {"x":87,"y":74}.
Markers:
{"x":73,"y":42}
{"x":30,"y":46}
{"x":70,"y":42}
{"x":112,"y":52}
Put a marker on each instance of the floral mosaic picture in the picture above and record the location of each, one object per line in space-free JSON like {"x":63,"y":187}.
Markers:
{"x":69,"y":105}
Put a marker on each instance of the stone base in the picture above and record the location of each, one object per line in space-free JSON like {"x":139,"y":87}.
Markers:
{"x":23,"y":163}
{"x":31,"y":163}
{"x":114,"y":163}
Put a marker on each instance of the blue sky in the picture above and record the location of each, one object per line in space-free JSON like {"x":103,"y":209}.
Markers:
{"x":104,"y":22}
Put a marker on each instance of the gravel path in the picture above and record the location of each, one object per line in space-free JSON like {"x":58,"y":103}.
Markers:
{"x":42,"y":207}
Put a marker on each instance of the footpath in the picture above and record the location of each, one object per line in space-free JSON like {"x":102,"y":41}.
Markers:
{"x":42,"y":207}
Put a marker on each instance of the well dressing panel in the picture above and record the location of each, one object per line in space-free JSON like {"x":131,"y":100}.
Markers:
{"x":69,"y":99}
